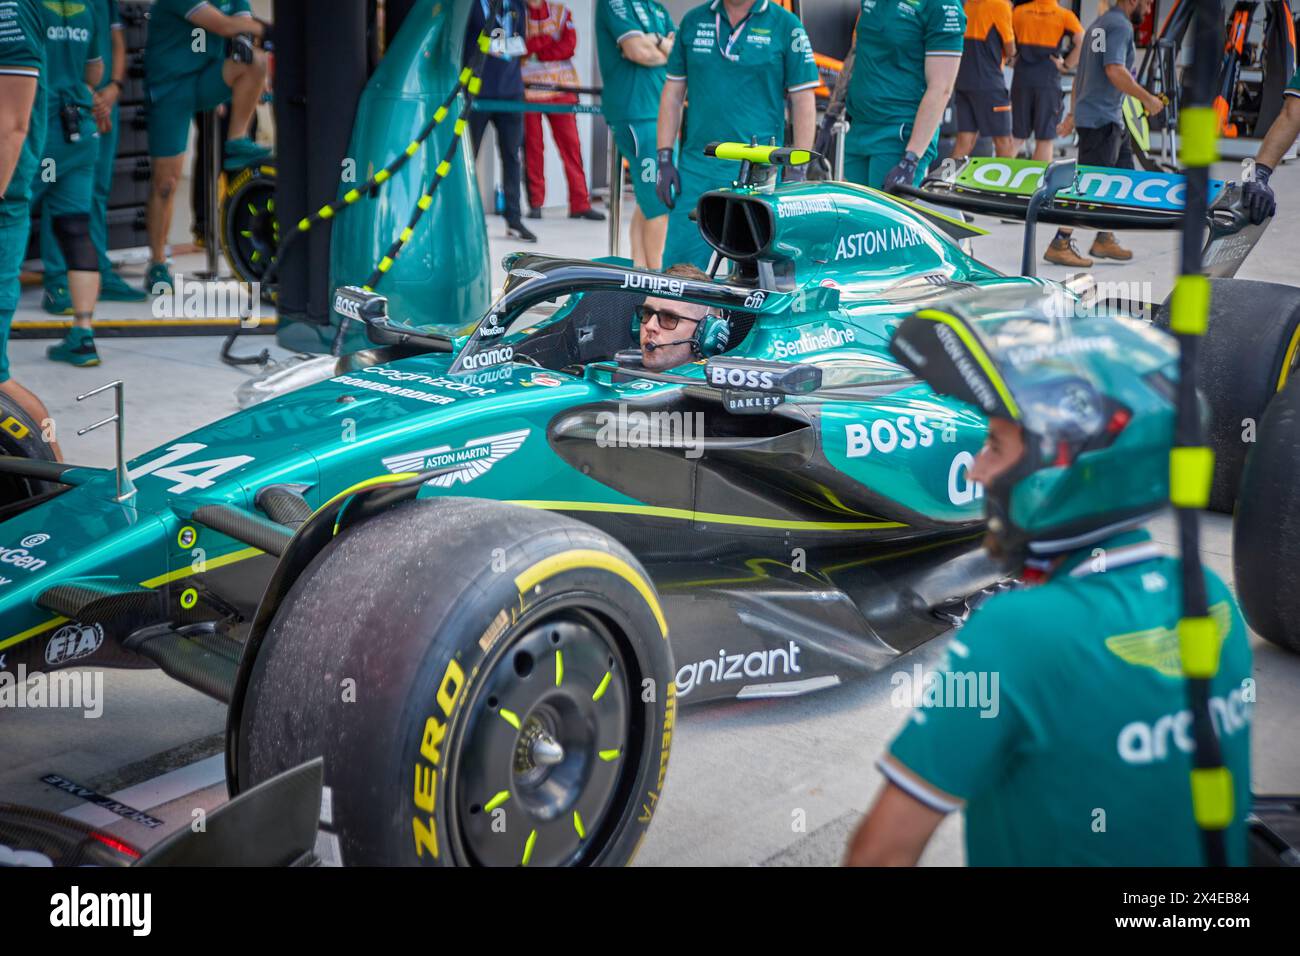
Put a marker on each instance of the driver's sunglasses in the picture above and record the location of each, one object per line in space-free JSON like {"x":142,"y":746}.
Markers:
{"x":667,"y":320}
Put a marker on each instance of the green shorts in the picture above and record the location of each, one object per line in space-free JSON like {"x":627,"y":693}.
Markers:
{"x":171,"y":111}
{"x":635,"y":139}
{"x":71,"y":190}
{"x":870,"y":153}
{"x":14,"y":225}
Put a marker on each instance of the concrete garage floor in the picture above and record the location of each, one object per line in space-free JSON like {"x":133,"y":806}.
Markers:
{"x":767,"y":783}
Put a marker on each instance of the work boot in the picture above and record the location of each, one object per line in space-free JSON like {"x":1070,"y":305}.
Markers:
{"x":113,"y":288}
{"x":1106,"y":246}
{"x":241,"y":153}
{"x":588,"y":213}
{"x":1063,"y":252}
{"x":57,"y":301}
{"x":77,"y":348}
{"x":158,"y":274}
{"x":517,"y":230}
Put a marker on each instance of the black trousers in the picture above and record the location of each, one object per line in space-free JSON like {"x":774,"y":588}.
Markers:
{"x":510,"y":144}
{"x":1100,"y":145}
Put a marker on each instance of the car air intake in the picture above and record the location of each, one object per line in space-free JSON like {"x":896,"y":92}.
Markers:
{"x":739,"y":227}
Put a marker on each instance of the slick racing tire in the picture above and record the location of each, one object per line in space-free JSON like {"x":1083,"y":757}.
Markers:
{"x":1266,"y":528}
{"x":250,"y":233}
{"x":1247,"y":354}
{"x":21,"y":437}
{"x":488,"y":685}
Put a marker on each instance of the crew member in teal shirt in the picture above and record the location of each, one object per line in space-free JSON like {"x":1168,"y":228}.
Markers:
{"x":22,"y":140}
{"x":64,"y":187}
{"x":734,"y":63}
{"x":633,"y":41}
{"x":111,"y":286}
{"x":907,"y":53}
{"x":1059,"y":720}
{"x":184,"y":76}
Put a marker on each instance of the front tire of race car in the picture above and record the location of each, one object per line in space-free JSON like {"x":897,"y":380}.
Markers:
{"x":488,"y":685}
{"x":1266,"y":528}
{"x":1250,"y":349}
{"x":21,"y":437}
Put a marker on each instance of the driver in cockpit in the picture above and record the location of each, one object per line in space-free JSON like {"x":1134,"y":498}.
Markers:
{"x":671,"y":329}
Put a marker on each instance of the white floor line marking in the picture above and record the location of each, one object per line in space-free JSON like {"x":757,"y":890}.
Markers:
{"x":154,"y":793}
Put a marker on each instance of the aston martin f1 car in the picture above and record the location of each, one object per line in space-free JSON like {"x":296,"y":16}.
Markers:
{"x":479,"y":569}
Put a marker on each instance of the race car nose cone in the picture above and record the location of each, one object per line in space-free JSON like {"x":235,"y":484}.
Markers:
{"x":546,"y":750}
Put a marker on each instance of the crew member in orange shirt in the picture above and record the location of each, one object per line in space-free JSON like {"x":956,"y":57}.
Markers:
{"x":981,"y":102}
{"x":1041,"y":26}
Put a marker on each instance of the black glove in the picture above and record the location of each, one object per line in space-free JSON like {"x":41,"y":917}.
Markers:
{"x":795,"y":174}
{"x":268,"y":42}
{"x":904,"y":174}
{"x":1257,"y":196}
{"x":668,"y":179}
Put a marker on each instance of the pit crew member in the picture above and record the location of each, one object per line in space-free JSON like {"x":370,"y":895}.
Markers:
{"x":633,"y":40}
{"x":22,"y":136}
{"x":1082,"y":752}
{"x":112,"y":287}
{"x":1257,"y":193}
{"x":906,"y":57}
{"x":981,"y":103}
{"x":1041,"y":26}
{"x":1105,"y":77}
{"x":736,"y":62}
{"x":184,"y":76}
{"x":64,"y":189}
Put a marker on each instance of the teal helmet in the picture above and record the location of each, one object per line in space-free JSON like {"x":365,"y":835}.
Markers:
{"x":1094,"y":395}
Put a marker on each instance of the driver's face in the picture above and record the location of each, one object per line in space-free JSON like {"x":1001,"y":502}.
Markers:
{"x":688,"y":315}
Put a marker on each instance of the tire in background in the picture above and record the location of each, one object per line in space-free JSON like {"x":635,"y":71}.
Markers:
{"x":1266,"y":529}
{"x":1245,"y":357}
{"x":20,"y":436}
{"x":425,"y":609}
{"x":250,"y":232}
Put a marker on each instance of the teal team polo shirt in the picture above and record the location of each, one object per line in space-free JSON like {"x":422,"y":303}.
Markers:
{"x":893,"y":39}
{"x":1082,"y":756}
{"x":737,"y":81}
{"x":630,"y":90}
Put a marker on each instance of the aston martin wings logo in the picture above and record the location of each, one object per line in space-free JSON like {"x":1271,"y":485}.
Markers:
{"x":472,"y":459}
{"x":68,"y":9}
{"x":1157,"y":647}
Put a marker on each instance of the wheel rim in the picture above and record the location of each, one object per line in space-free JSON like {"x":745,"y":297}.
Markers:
{"x":254,"y":232}
{"x":545,"y":748}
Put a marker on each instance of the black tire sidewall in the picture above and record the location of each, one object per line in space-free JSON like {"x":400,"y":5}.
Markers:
{"x":1252,"y":325}
{"x":21,"y":437}
{"x":1266,"y":527}
{"x":461,"y":614}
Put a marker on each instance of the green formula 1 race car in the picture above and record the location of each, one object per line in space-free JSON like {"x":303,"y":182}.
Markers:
{"x":478,"y":573}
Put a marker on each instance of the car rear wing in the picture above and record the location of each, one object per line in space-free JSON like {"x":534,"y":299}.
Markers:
{"x":1100,"y":198}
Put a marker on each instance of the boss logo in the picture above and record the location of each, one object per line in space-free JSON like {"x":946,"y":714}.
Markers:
{"x":744,"y":378}
{"x":347,"y":307}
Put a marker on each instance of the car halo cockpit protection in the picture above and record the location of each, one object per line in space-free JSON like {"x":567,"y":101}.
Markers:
{"x":1093,"y":395}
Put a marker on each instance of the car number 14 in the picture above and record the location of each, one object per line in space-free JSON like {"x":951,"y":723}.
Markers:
{"x":192,"y":475}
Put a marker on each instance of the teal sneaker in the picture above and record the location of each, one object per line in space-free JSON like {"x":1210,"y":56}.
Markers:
{"x":243,"y":152}
{"x":113,"y":288}
{"x":158,"y":274}
{"x":57,"y":301}
{"x":77,"y":348}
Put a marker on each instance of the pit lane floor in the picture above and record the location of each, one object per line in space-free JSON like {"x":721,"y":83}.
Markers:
{"x":778,"y":782}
